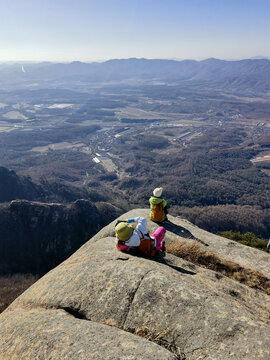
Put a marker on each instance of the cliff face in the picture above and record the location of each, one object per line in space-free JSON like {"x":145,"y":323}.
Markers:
{"x":35,"y":237}
{"x":104,"y":304}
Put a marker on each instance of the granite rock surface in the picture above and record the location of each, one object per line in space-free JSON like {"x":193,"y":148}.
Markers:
{"x":104,"y":304}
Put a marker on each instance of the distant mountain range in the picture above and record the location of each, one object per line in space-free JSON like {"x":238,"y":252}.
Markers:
{"x":248,"y":75}
{"x":260,"y":57}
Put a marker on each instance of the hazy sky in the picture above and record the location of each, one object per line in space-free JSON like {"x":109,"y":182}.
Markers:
{"x":88,"y":30}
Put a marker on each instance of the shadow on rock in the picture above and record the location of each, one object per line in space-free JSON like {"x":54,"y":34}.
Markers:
{"x":179,"y":230}
{"x":160,"y":260}
{"x":177,"y":268}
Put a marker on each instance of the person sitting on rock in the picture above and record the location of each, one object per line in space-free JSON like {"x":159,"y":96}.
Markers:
{"x":132,"y":234}
{"x":158,"y":206}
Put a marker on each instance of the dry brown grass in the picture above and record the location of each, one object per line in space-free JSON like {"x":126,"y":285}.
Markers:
{"x":11,"y":286}
{"x":196,"y":254}
{"x":160,"y":339}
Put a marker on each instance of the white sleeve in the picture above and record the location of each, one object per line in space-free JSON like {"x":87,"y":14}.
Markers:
{"x":134,"y":240}
{"x":142,"y":224}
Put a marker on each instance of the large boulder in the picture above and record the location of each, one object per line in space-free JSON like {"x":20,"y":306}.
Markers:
{"x":226,"y":249}
{"x":104,"y":304}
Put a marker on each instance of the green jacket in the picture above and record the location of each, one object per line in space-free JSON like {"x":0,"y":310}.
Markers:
{"x":156,"y":200}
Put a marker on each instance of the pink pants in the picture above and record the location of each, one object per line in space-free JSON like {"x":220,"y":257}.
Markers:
{"x":158,"y":236}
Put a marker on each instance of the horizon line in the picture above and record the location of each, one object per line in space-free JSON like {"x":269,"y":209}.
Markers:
{"x":129,"y":58}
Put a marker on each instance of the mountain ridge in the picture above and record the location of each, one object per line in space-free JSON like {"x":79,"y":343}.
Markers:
{"x":247,"y":74}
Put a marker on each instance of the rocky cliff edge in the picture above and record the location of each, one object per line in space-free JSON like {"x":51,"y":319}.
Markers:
{"x":104,"y":304}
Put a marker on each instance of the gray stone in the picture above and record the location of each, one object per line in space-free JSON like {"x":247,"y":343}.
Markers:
{"x":183,"y":308}
{"x":226,"y":249}
{"x":54,"y":334}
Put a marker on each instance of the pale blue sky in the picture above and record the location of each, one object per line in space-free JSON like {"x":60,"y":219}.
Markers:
{"x":89,"y":30}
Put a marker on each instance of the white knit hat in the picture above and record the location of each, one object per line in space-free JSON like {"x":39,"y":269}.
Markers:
{"x":158,"y":192}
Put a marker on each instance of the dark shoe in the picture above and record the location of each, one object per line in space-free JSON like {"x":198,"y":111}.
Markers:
{"x":161,"y":254}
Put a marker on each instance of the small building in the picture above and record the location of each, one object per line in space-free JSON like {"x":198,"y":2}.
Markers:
{"x":96,"y":160}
